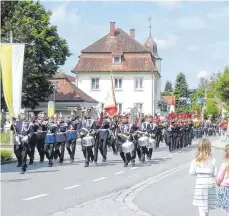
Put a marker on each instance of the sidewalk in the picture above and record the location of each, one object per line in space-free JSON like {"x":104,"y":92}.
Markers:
{"x":219,"y":144}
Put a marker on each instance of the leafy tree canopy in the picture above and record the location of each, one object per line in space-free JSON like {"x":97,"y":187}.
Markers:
{"x":168,"y":87}
{"x":222,"y":86}
{"x":180,"y":90}
{"x":45,"y":49}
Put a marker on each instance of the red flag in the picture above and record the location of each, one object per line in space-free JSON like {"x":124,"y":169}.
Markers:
{"x":100,"y":123}
{"x":173,"y":102}
{"x":110,"y":104}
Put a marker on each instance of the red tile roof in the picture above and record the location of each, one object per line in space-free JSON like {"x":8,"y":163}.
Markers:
{"x":67,"y":91}
{"x":98,"y":56}
{"x":170,"y":99}
{"x":130,"y":62}
{"x":122,"y":42}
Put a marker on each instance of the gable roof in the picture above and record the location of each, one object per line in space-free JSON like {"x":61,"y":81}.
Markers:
{"x":122,"y":42}
{"x":67,"y":91}
{"x":170,"y":99}
{"x":103,"y":63}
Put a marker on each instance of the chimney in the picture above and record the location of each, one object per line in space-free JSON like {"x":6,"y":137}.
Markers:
{"x":132,"y":33}
{"x":112,"y":29}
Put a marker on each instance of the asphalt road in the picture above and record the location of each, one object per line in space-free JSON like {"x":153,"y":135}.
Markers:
{"x":173,"y":195}
{"x":44,"y":191}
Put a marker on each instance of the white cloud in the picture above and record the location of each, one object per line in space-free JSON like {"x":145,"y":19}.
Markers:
{"x":166,"y":43}
{"x":169,"y":4}
{"x":218,"y":14}
{"x":61,"y":15}
{"x":192,"y":47}
{"x":192,"y":22}
{"x":203,"y":74}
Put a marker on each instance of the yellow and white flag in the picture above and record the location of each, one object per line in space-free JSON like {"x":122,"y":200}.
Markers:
{"x":11,"y":62}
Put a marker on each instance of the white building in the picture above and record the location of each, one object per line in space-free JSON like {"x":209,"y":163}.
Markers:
{"x":136,"y":70}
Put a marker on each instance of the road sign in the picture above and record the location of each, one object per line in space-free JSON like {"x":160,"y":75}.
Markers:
{"x":188,"y":101}
{"x":199,"y":101}
{"x":51,"y":108}
{"x":182,"y":98}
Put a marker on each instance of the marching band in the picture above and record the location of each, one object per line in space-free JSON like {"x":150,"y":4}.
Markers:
{"x":130,"y":136}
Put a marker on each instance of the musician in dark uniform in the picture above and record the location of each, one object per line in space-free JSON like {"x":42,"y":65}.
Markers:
{"x":50,"y":140}
{"x":71,"y":136}
{"x":42,"y":124}
{"x":123,"y":133}
{"x":60,"y":139}
{"x":150,"y":130}
{"x":87,"y":141}
{"x":158,"y":133}
{"x":101,"y":141}
{"x":23,"y":131}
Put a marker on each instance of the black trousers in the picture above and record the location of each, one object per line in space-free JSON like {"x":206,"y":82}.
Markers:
{"x":71,"y":148}
{"x":88,"y":154}
{"x":150,"y":152}
{"x":49,"y":152}
{"x":112,"y":142}
{"x":144,"y":152}
{"x":101,"y":145}
{"x":17,"y":152}
{"x":32,"y":144}
{"x":171,"y":142}
{"x":59,"y":151}
{"x":24,"y":153}
{"x":158,"y":139}
{"x":41,"y":145}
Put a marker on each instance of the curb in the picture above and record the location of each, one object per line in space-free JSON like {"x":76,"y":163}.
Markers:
{"x":8,"y":162}
{"x":128,"y":195}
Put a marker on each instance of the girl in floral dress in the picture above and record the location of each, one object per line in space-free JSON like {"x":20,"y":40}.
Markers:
{"x":222,"y":180}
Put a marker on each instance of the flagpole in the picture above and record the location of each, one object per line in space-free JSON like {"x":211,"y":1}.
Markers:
{"x":11,"y":134}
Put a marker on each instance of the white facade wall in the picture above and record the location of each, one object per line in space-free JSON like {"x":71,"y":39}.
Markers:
{"x":127,"y":96}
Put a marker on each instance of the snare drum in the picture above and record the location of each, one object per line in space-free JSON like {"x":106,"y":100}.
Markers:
{"x":151,"y":143}
{"x":127,"y":147}
{"x":88,"y":141}
{"x":143,"y":141}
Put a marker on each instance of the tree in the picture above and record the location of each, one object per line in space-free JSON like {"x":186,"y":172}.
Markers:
{"x":168,"y":87}
{"x":181,"y":91}
{"x":45,"y":49}
{"x":195,"y":107}
{"x":222,"y":86}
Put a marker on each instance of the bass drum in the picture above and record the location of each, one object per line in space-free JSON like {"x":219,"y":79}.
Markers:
{"x":151,"y":143}
{"x":127,"y":147}
{"x":143,"y":141}
{"x":88,"y":141}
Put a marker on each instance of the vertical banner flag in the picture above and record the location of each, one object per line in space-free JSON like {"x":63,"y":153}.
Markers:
{"x":12,"y":61}
{"x":172,"y":105}
{"x":110,"y":102}
{"x":51,"y":108}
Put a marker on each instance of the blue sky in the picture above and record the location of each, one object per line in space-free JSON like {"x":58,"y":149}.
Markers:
{"x":192,"y":37}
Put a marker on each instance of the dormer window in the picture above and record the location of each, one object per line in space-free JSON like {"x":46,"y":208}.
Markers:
{"x":117,"y":59}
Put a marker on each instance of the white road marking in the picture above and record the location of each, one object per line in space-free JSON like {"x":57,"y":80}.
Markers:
{"x":117,"y":173}
{"x":176,"y":153}
{"x":73,"y":186}
{"x":99,"y":179}
{"x":35,"y":197}
{"x":165,"y":157}
{"x":133,"y":175}
{"x":133,"y":168}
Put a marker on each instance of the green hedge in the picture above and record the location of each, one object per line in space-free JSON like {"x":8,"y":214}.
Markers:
{"x":5,"y":138}
{"x":6,"y":154}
